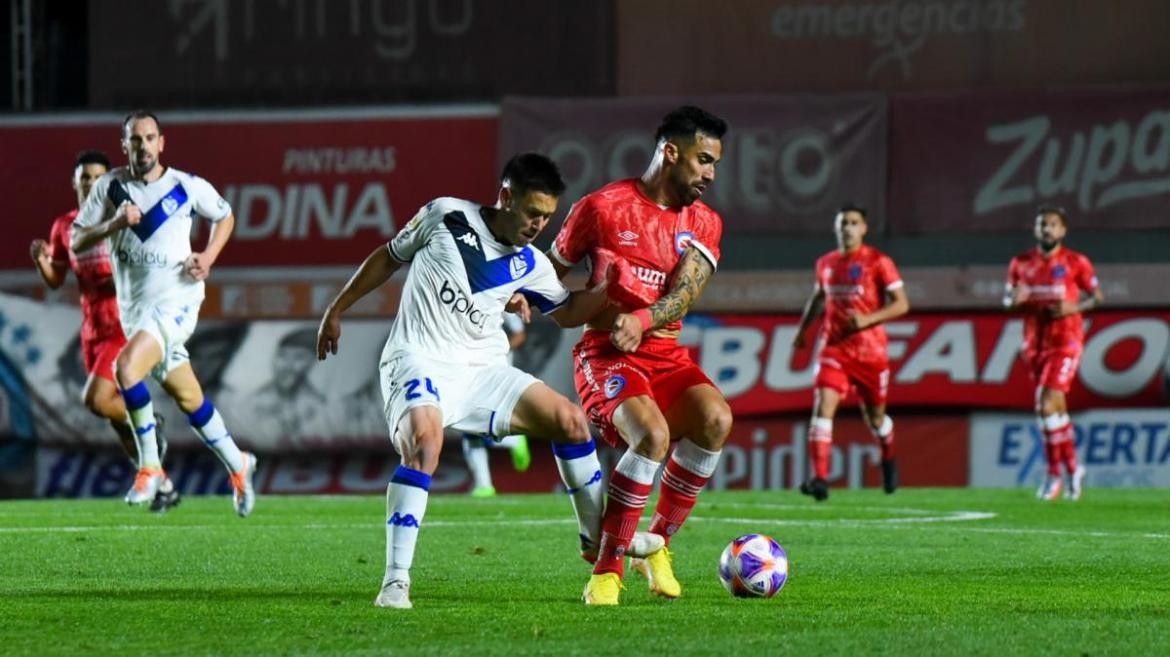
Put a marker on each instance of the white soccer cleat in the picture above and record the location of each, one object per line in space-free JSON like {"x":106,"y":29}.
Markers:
{"x":395,"y":594}
{"x":146,"y":484}
{"x":1076,"y":482}
{"x":1050,"y":489}
{"x":243,"y":493}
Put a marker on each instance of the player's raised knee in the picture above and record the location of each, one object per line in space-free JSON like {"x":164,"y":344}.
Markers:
{"x":654,"y":442}
{"x":571,"y":421}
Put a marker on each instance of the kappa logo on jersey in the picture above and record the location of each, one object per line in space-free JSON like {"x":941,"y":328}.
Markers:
{"x":614,"y":385}
{"x":628,"y":238}
{"x":469,"y":240}
{"x":482,"y":273}
{"x":682,"y":241}
{"x":518,"y":267}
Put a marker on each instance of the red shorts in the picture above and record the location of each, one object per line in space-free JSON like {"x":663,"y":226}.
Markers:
{"x":606,"y":377}
{"x":1054,"y":369}
{"x":871,"y":379}
{"x":99,"y":354}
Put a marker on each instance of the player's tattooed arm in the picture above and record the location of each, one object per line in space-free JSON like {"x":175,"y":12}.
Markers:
{"x":813,"y":307}
{"x":692,"y":274}
{"x":377,"y":268}
{"x":690,"y":277}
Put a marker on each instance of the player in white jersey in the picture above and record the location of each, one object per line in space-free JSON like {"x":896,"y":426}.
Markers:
{"x":443,"y":364}
{"x":475,"y":448}
{"x":145,"y":211}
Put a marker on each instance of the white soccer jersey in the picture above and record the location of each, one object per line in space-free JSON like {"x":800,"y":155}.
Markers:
{"x":148,"y":258}
{"x":460,"y":278}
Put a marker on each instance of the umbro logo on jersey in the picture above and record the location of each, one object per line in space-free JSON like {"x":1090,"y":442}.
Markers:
{"x":628,"y":238}
{"x":469,"y":240}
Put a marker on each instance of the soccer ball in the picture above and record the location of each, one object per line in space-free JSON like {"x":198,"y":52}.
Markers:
{"x":753,"y":566}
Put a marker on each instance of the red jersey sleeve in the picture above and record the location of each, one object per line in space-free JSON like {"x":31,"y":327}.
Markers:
{"x":59,"y":242}
{"x":578,"y":235}
{"x":707,"y":237}
{"x":1086,"y":278}
{"x":888,"y":275}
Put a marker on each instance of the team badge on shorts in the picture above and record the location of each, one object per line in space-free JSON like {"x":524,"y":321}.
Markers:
{"x":614,"y":385}
{"x":682,"y":240}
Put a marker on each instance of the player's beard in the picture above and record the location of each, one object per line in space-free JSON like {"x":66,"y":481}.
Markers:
{"x":1048,"y":246}
{"x":143,"y":166}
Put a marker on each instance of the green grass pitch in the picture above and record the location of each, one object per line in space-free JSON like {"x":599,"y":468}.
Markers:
{"x":922,"y":572}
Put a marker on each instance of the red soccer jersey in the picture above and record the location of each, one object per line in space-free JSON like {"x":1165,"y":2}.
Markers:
{"x":855,"y":282}
{"x":1048,"y":281}
{"x":99,"y":306}
{"x":651,"y":238}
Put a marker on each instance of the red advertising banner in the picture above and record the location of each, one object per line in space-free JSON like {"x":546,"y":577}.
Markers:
{"x":788,"y":162}
{"x":306,"y":188}
{"x":956,"y":360}
{"x":770,"y":46}
{"x":983,"y":162}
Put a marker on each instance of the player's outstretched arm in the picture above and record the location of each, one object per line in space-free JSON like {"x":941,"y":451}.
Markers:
{"x":581,"y":307}
{"x":198,"y":265}
{"x":813,"y":307}
{"x":377,"y":268}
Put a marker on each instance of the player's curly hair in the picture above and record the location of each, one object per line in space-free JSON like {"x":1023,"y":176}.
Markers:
{"x":1053,"y":209}
{"x":532,"y":172}
{"x":92,"y":157}
{"x":688,"y":121}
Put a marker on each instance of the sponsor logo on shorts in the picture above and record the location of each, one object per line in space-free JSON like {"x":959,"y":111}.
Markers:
{"x":614,"y":385}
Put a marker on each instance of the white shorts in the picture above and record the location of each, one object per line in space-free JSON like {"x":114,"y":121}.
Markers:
{"x":473,"y":399}
{"x":171,"y":325}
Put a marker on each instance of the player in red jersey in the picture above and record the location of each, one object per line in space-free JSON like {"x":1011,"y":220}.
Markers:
{"x":858,"y":288}
{"x":637,"y":385}
{"x":1052,"y":286}
{"x":101,"y":330}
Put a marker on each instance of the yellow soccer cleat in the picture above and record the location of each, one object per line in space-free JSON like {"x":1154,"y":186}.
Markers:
{"x":657,"y":569}
{"x":603,"y":589}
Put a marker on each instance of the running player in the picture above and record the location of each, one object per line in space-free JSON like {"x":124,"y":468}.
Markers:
{"x":638,"y":386}
{"x":1053,"y":286}
{"x":145,"y":210}
{"x":858,"y":289}
{"x":101,"y":332}
{"x":443,"y":364}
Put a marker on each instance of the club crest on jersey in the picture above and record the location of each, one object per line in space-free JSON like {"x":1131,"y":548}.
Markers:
{"x":682,"y":241}
{"x":1059,"y":271}
{"x":169,"y":205}
{"x":854,"y":272}
{"x":614,"y":385}
{"x":628,"y":238}
{"x":518,"y":267}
